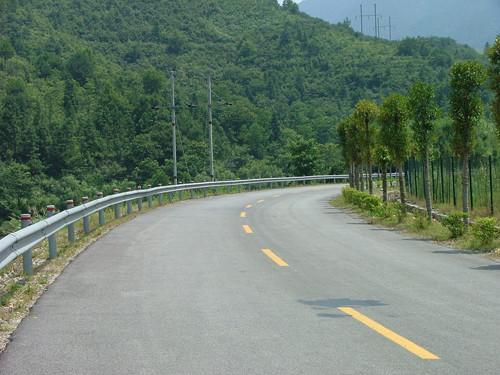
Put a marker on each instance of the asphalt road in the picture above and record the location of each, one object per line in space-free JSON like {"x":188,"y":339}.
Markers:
{"x":186,"y":289}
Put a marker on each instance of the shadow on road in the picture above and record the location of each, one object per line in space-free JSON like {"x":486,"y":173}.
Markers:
{"x":491,"y":267}
{"x":334,"y":303}
{"x":454,"y":252}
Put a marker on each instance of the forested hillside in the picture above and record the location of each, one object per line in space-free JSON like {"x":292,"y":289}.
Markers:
{"x":85,"y":91}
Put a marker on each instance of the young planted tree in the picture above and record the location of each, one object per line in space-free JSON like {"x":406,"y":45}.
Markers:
{"x":355,"y":149}
{"x":383,"y":159}
{"x":394,"y":133}
{"x":424,"y":111}
{"x":365,"y":114}
{"x":342,"y":135}
{"x":466,"y":111}
{"x":494,"y":55}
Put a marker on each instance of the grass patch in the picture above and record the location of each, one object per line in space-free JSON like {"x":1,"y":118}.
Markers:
{"x":393,"y":215}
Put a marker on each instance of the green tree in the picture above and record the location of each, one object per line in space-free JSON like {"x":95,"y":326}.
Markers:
{"x":290,"y":6}
{"x":467,"y":77}
{"x":350,"y":138}
{"x":365,"y":113}
{"x":81,"y":66}
{"x":494,"y":55}
{"x":152,"y":81}
{"x":6,"y":50}
{"x":304,"y":157}
{"x":383,"y":159}
{"x":394,"y":133}
{"x":424,"y":111}
{"x":15,"y":194}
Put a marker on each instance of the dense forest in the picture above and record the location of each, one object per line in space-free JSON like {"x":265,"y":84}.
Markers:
{"x":85,"y":91}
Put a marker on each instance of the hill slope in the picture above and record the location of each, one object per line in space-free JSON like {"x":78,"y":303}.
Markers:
{"x":470,"y":22}
{"x":84,"y":93}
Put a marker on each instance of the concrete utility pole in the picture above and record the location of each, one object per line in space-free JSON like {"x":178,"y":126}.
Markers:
{"x":210,"y":129}
{"x":174,"y":135}
{"x":376,"y":22}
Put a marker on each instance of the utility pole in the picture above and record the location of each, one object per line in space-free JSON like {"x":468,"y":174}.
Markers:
{"x":376,"y":22}
{"x":210,"y":129}
{"x":174,"y":135}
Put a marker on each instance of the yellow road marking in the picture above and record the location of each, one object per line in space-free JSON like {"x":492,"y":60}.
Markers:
{"x":262,"y":200}
{"x":276,"y":259}
{"x":248,"y":206}
{"x":387,"y":333}
{"x":247,"y":229}
{"x":243,"y":214}
{"x":276,"y":196}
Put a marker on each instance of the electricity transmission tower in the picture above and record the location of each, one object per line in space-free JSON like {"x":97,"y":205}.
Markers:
{"x":389,"y":26}
{"x":375,"y":16}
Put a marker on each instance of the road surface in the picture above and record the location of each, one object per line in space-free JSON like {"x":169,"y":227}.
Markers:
{"x":269,"y":282}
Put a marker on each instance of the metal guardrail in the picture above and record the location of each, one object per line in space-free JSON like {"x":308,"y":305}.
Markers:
{"x":23,"y":241}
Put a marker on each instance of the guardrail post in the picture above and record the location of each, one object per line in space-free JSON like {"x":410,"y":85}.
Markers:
{"x":86,"y":219}
{"x":139,"y":201}
{"x":160,"y":197}
{"x":180,"y":195}
{"x":191,"y":195}
{"x":102,"y":217}
{"x":170,"y":197}
{"x":51,"y":211}
{"x":117,"y":206}
{"x":27,"y":255}
{"x":129,"y":204}
{"x":71,"y":227}
{"x":150,"y":198}
{"x":204,"y":192}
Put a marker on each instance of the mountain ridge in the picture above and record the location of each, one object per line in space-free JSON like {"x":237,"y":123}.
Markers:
{"x":473,"y":23}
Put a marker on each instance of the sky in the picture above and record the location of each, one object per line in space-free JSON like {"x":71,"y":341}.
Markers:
{"x":473,"y":22}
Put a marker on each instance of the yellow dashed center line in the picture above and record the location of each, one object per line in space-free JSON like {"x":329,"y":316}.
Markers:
{"x":387,"y":333}
{"x":243,"y":214}
{"x":261,"y":201}
{"x":247,"y":229}
{"x":248,"y":206}
{"x":276,"y":259}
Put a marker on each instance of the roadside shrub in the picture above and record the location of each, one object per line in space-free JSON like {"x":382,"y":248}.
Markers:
{"x":400,"y":211}
{"x":455,"y":224}
{"x":370,"y":202}
{"x":484,"y":230}
{"x":363,"y":200}
{"x":421,"y":221}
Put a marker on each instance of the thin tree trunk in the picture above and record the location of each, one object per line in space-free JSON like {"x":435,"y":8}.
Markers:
{"x":362,"y":179}
{"x":402,"y":194}
{"x":465,"y":188}
{"x":384,"y":184}
{"x":351,"y":174}
{"x":356,"y":176}
{"x":370,"y":175}
{"x":427,"y":185}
